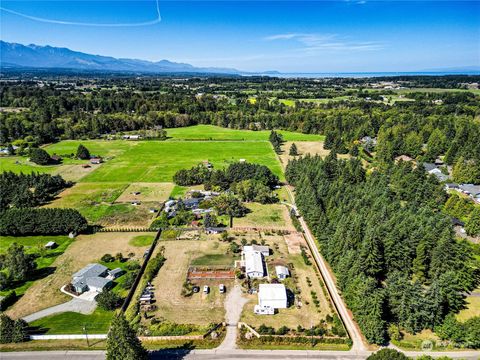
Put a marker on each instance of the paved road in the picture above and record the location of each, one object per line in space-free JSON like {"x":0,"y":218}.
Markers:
{"x":76,"y":305}
{"x":228,"y":354}
{"x":233,"y":308}
{"x":352,"y":327}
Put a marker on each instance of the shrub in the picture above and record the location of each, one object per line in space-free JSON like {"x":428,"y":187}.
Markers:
{"x":387,"y":354}
{"x":108,"y":300}
{"x":107,"y":258}
{"x":132,"y":265}
{"x":129,"y":279}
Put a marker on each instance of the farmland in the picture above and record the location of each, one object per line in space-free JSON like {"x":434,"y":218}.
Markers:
{"x":210,"y":132}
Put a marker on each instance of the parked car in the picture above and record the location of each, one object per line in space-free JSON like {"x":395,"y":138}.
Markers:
{"x":196,"y":289}
{"x":222,"y":288}
{"x":206,"y":289}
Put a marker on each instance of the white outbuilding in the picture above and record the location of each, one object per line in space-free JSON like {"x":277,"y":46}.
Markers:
{"x":282,"y":272}
{"x":264,"y":250}
{"x":254,"y":264}
{"x":272,"y":295}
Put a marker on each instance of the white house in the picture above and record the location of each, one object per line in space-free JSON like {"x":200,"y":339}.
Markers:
{"x":254,"y":267}
{"x":272,"y":295}
{"x":282,"y":272}
{"x":264,"y":250}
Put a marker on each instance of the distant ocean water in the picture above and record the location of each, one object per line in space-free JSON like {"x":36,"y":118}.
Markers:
{"x":368,"y":74}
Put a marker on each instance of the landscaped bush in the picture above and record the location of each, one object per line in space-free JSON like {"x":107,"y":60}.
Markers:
{"x":44,"y":221}
{"x":167,"y":328}
{"x":108,"y":300}
{"x":132,"y":265}
{"x":129,"y":279}
{"x":107,"y":258}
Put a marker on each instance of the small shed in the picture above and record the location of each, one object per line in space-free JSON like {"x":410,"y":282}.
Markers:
{"x":51,"y":245}
{"x":282,"y":272}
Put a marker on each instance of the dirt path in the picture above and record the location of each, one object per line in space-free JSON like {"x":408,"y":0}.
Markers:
{"x":233,"y":307}
{"x":76,"y":305}
{"x":345,"y":314}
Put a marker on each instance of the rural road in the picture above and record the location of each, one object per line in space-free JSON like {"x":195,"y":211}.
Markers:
{"x":352,"y":327}
{"x":233,"y":308}
{"x":76,"y":305}
{"x":228,"y":354}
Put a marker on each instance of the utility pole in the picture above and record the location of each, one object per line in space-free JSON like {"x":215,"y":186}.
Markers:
{"x":86,"y":334}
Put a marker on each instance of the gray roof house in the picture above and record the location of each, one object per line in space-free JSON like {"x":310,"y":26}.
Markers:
{"x":92,"y":277}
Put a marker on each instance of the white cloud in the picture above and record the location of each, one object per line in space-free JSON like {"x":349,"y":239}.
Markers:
{"x":326,"y":42}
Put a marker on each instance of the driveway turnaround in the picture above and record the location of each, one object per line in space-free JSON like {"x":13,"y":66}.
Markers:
{"x":75,"y":305}
{"x":233,"y":307}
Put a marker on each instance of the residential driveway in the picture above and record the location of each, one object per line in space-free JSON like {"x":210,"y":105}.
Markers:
{"x":233,"y":307}
{"x":76,"y":305}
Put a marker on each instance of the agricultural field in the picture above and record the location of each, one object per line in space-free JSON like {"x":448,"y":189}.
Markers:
{"x":84,"y":249}
{"x":35,"y":245}
{"x":199,"y":309}
{"x":270,"y":215}
{"x":211,"y":132}
{"x":289,"y":254}
{"x":161,"y":160}
{"x":149,"y":192}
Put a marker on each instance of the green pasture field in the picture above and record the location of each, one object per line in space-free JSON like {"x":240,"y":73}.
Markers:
{"x":157,"y":161}
{"x":35,"y":244}
{"x":93,"y":200}
{"x":211,"y":132}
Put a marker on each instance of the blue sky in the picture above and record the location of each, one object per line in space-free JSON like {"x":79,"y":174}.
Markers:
{"x":289,"y":36}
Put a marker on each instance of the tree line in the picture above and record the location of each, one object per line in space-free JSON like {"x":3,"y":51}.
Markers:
{"x":393,"y":251}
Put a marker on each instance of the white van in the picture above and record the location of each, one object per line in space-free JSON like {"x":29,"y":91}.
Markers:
{"x":221,"y":288}
{"x":206,"y":289}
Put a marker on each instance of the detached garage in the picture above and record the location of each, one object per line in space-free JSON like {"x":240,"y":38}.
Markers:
{"x":272,"y":295}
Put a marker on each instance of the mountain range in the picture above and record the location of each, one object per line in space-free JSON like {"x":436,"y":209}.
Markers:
{"x":13,"y":55}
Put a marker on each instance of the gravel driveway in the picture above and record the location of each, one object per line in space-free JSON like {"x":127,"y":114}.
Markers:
{"x":233,"y":306}
{"x":76,"y":305}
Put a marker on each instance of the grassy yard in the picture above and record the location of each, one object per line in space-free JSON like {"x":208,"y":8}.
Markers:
{"x":269,"y":215}
{"x":141,"y":240}
{"x":211,"y":132}
{"x":35,"y":244}
{"x":73,"y":323}
{"x":85,"y":249}
{"x":213,"y":260}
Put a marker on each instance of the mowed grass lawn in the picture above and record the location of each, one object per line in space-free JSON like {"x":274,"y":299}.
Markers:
{"x":73,"y":323}
{"x":211,"y":132}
